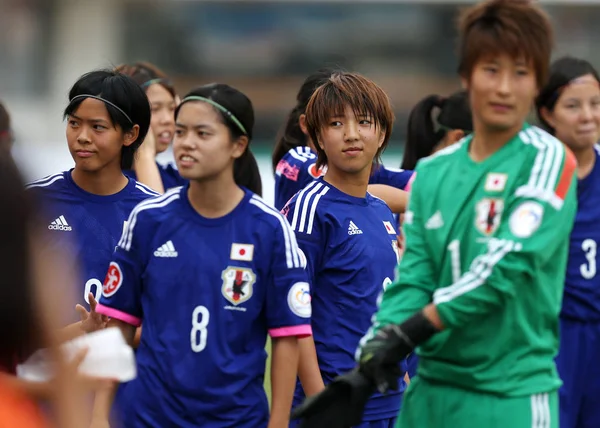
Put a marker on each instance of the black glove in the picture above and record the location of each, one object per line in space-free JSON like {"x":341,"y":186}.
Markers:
{"x":380,"y":356}
{"x":340,"y":405}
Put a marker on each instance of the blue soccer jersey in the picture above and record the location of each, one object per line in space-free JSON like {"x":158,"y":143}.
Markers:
{"x":577,"y":360}
{"x":168,"y":174}
{"x":351,"y":249}
{"x":207,"y":292}
{"x":582,"y":283}
{"x":298,"y":168}
{"x":88,"y":225}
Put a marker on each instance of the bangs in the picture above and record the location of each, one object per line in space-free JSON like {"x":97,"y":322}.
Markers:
{"x":494,"y":42}
{"x":341,"y":92}
{"x":348,"y":90}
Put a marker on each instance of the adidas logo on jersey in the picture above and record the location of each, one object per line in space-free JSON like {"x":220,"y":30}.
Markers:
{"x":166,"y":250}
{"x":60,"y":224}
{"x":353,"y":229}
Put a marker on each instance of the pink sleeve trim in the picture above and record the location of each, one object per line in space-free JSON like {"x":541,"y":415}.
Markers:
{"x":410,"y":182}
{"x":297,"y":330}
{"x":114,"y":313}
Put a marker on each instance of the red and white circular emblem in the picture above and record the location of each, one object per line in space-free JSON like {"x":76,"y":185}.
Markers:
{"x":113,"y":280}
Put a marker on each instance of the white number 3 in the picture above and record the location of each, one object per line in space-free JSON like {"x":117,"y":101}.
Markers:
{"x":200,"y":318}
{"x":588,"y":270}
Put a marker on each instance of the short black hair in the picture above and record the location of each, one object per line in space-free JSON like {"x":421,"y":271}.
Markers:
{"x":125,"y":93}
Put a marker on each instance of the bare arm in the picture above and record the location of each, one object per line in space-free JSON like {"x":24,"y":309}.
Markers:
{"x":284,"y":355}
{"x":145,"y":166}
{"x":395,"y":198}
{"x":104,"y":397}
{"x":308,"y":367}
{"x":137,"y":337}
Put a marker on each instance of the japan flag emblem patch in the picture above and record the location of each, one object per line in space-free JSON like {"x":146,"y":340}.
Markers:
{"x":488,"y":213}
{"x":237,"y":284}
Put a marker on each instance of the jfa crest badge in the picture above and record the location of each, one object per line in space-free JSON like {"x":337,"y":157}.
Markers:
{"x":488,"y":213}
{"x":237,"y":284}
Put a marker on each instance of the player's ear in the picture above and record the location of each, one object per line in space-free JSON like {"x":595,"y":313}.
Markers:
{"x":547,"y":116}
{"x":382,"y":135}
{"x":302,"y":123}
{"x":239,"y":146}
{"x":130,"y":136}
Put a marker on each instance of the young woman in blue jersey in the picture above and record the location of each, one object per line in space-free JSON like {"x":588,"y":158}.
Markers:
{"x":294,"y":156}
{"x":163,"y":100}
{"x":210,"y":269}
{"x":86,"y":208}
{"x":569,"y":107}
{"x":347,"y":236}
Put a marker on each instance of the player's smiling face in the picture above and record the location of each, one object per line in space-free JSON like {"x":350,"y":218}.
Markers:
{"x":576,"y":114}
{"x":94,"y":140}
{"x":162,"y":124}
{"x":203,"y":146}
{"x":501,"y":91}
{"x":351,"y":142}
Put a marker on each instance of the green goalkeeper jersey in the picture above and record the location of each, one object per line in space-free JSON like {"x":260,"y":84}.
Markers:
{"x":487,"y":243}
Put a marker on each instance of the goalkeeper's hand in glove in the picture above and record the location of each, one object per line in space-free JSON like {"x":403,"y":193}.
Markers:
{"x":341,"y":404}
{"x":381,"y":355}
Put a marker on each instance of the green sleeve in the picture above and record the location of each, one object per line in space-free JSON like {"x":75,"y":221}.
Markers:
{"x":536,"y":223}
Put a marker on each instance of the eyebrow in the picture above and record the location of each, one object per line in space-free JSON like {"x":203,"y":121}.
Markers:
{"x":200,"y":126}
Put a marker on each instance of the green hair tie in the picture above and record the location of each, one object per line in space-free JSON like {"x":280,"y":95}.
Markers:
{"x":157,"y":80}
{"x":218,"y":106}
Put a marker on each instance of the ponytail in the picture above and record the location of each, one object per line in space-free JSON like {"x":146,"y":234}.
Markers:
{"x":290,"y":137}
{"x":246,"y":173}
{"x":421,"y":137}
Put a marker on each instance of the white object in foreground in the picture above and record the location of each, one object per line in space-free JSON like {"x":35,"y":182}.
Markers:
{"x":108,"y":357}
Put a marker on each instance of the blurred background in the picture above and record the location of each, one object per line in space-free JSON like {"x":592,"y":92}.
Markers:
{"x":264,"y":48}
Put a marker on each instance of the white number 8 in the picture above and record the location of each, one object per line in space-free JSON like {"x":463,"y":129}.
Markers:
{"x":199,"y":328}
{"x":588,"y":270}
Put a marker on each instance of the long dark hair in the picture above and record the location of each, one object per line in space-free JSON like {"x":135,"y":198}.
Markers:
{"x":20,"y":328}
{"x":291,"y":135}
{"x":422,"y":136}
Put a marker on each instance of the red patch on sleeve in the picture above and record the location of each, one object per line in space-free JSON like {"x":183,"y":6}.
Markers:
{"x":564,"y":181}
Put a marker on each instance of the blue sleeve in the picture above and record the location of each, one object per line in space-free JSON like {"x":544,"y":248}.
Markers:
{"x":122,"y":288}
{"x":288,"y":301}
{"x":397,"y":178}
{"x":309,"y":234}
{"x":293,"y":175}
